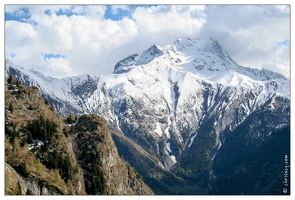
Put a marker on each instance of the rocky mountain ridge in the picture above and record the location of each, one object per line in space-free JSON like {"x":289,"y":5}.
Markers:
{"x":168,"y":99}
{"x":45,"y":155}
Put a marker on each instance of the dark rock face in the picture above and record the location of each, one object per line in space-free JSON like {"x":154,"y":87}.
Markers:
{"x":129,"y":61}
{"x":85,"y":89}
{"x":100,"y":160}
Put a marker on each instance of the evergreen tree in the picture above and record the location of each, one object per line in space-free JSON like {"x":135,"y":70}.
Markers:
{"x":29,"y":138}
{"x":56,"y":159}
{"x":65,"y":131}
{"x":52,"y":108}
{"x":30,"y":107}
{"x":50,"y":161}
{"x":69,"y":119}
{"x":29,"y":192}
{"x":94,"y":186}
{"x":18,"y":189}
{"x":11,"y":79}
{"x":10,"y":107}
{"x":38,"y":155}
{"x":67,"y":168}
{"x":97,"y":178}
{"x":22,"y":170}
{"x":72,"y":130}
{"x":18,"y":83}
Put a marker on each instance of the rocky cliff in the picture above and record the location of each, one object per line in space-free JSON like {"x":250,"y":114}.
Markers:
{"x":96,"y":151}
{"x":47,"y":155}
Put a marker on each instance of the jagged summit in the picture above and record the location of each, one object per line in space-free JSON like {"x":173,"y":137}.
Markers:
{"x":174,"y":107}
{"x":138,"y":59}
{"x":205,"y":59}
{"x":181,"y":52}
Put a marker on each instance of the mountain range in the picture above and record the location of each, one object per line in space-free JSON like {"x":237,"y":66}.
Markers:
{"x":186,"y":116}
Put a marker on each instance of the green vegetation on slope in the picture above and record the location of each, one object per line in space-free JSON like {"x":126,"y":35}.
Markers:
{"x":34,"y":144}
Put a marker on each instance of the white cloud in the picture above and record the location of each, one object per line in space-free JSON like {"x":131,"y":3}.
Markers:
{"x":163,"y":25}
{"x":278,"y":61}
{"x":159,"y":25}
{"x":177,"y":20}
{"x":21,"y":34}
{"x":85,"y":41}
{"x":250,"y":33}
{"x":93,"y":45}
{"x":58,"y":65}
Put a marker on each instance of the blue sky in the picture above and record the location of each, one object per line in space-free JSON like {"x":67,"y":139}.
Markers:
{"x":66,"y":40}
{"x":112,"y":12}
{"x":21,"y":16}
{"x":118,"y":14}
{"x":286,"y":42}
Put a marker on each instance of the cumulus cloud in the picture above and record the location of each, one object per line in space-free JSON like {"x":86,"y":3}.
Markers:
{"x":163,"y":25}
{"x":169,"y":20}
{"x":255,"y":36}
{"x":85,"y":40}
{"x":58,"y":64}
{"x":251,"y":34}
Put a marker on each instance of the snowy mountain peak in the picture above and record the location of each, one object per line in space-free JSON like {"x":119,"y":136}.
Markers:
{"x":138,"y":59}
{"x":125,"y":64}
{"x":182,"y":43}
{"x":204,"y":45}
{"x":204,"y":58}
{"x":189,"y":54}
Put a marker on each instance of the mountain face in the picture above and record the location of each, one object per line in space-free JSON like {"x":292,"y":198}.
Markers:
{"x":181,"y":110}
{"x":38,"y":156}
{"x":44,"y":155}
{"x":94,"y":140}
